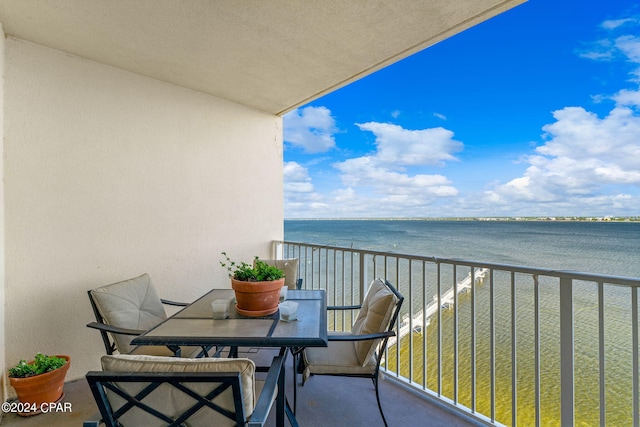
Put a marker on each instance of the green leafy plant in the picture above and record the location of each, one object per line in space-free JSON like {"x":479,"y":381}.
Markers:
{"x":259,"y":272}
{"x":40,"y":365}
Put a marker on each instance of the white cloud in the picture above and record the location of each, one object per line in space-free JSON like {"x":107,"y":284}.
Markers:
{"x":296,"y":179}
{"x":613,"y":24}
{"x":367,"y":172}
{"x":625,"y":47}
{"x":627,"y":98}
{"x":396,"y":145}
{"x":602,"y":50}
{"x":582,"y":157}
{"x":310,"y":128}
{"x":300,"y":197}
{"x":608,"y":49}
{"x":630,"y":47}
{"x":379,"y":184}
{"x":388,"y":182}
{"x":587,"y":161}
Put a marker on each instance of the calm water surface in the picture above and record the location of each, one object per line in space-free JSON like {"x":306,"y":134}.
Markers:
{"x":594,"y":247}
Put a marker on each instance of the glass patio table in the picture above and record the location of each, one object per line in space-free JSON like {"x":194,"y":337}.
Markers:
{"x":194,"y":325}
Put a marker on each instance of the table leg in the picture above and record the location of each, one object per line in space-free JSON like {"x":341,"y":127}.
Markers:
{"x":233,"y":352}
{"x":281,"y":400}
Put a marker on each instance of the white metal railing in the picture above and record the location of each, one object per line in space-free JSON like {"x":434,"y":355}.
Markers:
{"x":508,"y":345}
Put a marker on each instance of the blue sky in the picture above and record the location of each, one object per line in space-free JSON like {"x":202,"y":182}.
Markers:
{"x":534,"y":112}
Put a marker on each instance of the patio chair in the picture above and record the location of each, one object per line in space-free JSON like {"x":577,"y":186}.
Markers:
{"x":358,"y":353}
{"x":290,"y":268}
{"x":138,"y":390}
{"x":125,"y":310}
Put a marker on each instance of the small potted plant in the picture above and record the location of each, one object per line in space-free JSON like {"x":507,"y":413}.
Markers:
{"x":39,"y":381}
{"x":257,"y":287}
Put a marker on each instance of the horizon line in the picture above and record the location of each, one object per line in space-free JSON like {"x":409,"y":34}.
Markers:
{"x":606,"y":218}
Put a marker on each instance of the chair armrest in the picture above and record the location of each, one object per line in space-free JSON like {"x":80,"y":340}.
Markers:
{"x":114,"y":329}
{"x":363,"y":337}
{"x":267,"y":396}
{"x":344,"y":307}
{"x":175,"y":303}
{"x":135,"y":333}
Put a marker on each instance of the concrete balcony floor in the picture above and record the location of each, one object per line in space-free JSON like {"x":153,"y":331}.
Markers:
{"x":322,"y":401}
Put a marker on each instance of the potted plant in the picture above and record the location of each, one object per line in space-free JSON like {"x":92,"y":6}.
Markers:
{"x":257,"y":287}
{"x":39,"y":381}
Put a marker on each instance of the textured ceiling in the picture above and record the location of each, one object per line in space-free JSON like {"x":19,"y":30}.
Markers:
{"x":272,"y":55}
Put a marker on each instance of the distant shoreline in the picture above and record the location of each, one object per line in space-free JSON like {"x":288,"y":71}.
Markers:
{"x":493,"y":219}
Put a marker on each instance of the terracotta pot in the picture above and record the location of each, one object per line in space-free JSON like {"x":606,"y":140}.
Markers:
{"x":43,"y":388}
{"x":257,"y":298}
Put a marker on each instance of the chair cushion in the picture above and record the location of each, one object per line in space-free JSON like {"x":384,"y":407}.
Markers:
{"x":172,"y":401}
{"x":374,"y":316}
{"x":131,"y":304}
{"x":290,"y":268}
{"x":340,"y":357}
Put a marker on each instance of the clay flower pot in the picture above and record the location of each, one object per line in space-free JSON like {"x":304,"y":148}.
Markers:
{"x":257,"y":299}
{"x":43,"y":388}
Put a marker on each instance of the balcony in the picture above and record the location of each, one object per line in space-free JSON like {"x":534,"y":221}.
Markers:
{"x":505,"y":345}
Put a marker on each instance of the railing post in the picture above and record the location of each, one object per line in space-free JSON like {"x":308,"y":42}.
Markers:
{"x":278,"y":249}
{"x":566,"y":353}
{"x":363,"y":275}
{"x":634,"y":339}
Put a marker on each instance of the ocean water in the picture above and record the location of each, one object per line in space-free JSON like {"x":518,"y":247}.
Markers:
{"x":591,"y":247}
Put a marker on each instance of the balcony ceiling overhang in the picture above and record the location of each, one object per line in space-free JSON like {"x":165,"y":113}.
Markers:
{"x":270,"y":55}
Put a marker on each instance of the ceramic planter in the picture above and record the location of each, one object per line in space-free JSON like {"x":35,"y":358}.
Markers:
{"x":43,"y":388}
{"x":257,"y":299}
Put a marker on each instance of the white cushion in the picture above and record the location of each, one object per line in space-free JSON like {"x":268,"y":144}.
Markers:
{"x":172,"y":401}
{"x":374,"y":316}
{"x":340,"y":357}
{"x":130,"y":304}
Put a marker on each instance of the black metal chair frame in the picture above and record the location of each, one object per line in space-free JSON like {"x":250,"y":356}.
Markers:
{"x":100,"y":382}
{"x":109,"y":343}
{"x":378,"y":353}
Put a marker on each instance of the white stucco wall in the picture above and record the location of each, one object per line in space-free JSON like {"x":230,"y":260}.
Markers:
{"x":110,"y":174}
{"x":3,"y":381}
